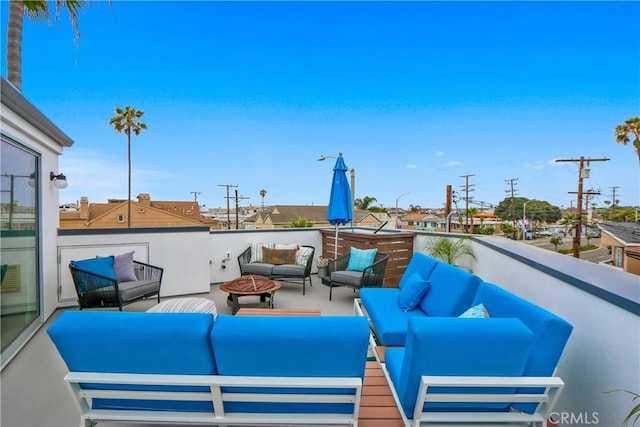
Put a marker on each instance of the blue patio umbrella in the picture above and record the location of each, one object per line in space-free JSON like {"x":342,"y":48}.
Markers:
{"x":340,"y":210}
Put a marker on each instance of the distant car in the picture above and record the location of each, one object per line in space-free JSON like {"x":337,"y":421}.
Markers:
{"x":593,"y":232}
{"x":545,"y":233}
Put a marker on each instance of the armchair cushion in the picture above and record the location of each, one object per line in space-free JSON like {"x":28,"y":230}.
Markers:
{"x":414,"y":289}
{"x":123,"y":266}
{"x":359,"y":259}
{"x":352,"y":278}
{"x":102,"y":266}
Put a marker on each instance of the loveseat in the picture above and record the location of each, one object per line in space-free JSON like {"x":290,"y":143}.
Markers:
{"x":444,"y":321}
{"x":182,"y":368}
{"x":283,"y":262}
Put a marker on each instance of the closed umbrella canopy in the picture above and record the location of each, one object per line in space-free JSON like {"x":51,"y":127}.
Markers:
{"x":339,"y":212}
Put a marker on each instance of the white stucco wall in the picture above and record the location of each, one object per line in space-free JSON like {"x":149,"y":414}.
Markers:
{"x":20,"y":127}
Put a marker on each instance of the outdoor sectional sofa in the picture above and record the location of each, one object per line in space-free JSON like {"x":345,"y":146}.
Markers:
{"x":194,"y":368}
{"x":432,"y":342}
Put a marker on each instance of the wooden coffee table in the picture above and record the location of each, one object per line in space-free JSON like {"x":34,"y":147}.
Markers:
{"x":254,"y":285}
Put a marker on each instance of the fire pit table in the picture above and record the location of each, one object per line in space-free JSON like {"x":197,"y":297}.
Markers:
{"x":252,"y":285}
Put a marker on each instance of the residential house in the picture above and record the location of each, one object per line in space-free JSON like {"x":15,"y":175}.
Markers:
{"x":145,"y":213}
{"x":281,"y":216}
{"x":624,"y":240}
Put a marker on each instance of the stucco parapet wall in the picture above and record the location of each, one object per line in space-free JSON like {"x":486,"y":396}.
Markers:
{"x":14,"y":100}
{"x":608,"y":283}
{"x":84,"y":232}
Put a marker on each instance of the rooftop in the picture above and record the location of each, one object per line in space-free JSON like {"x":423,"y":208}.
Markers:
{"x":572,"y":288}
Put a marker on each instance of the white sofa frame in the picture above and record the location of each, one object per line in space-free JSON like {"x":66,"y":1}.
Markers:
{"x":351,"y":391}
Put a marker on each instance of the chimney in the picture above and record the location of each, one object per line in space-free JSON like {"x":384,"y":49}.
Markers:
{"x":144,"y":199}
{"x":84,"y":207}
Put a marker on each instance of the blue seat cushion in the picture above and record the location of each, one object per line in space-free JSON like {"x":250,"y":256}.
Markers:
{"x":326,"y":346}
{"x":389,"y":322}
{"x":451,"y":293}
{"x":453,"y":346}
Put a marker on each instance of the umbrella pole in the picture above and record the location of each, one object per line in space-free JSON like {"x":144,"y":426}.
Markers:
{"x":335,"y":245}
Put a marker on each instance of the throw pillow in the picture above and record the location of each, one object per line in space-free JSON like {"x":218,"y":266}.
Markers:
{"x":412,"y":292}
{"x":303,"y":254}
{"x":123,"y":266}
{"x":282,"y":246}
{"x":476,"y":312}
{"x":278,"y":256}
{"x":359,"y":259}
{"x":102,"y":266}
{"x":256,"y":251}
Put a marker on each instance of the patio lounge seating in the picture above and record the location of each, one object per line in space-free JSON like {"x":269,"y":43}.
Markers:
{"x":114,"y":281}
{"x":187,"y":368}
{"x":342,"y":271}
{"x":285,"y":263}
{"x":469,"y":373}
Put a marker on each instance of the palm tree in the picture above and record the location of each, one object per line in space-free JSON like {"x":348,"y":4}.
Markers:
{"x":365,"y":202}
{"x":263,"y":193}
{"x":631,"y":126}
{"x":556,"y":241}
{"x":36,"y":10}
{"x":449,"y":250}
{"x":128,"y":120}
{"x":470,"y":213}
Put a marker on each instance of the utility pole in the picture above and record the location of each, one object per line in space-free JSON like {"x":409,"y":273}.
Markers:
{"x":195,"y":195}
{"x":237,"y":207}
{"x":584,"y":172}
{"x":467,"y":199}
{"x":447,"y":204}
{"x":613,"y":202}
{"x":227,"y":197}
{"x":512,"y":184}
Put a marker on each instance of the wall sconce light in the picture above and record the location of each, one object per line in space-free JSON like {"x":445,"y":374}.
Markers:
{"x":59,"y":181}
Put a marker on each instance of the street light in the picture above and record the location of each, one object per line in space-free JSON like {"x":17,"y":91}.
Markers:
{"x":353,"y":185}
{"x":398,"y":216}
{"x":524,"y":219}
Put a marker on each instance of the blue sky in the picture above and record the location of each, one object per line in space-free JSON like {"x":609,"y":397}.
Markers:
{"x":414,"y":94}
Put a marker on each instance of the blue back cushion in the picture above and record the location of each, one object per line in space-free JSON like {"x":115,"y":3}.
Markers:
{"x":324,"y":346}
{"x":551,"y":332}
{"x":419,"y":262}
{"x":100,"y":265}
{"x":451,"y":293}
{"x":452,"y":346}
{"x":140,"y":343}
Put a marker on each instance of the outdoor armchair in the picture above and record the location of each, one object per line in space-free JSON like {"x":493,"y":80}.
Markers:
{"x":342,"y":272}
{"x":100,"y":287}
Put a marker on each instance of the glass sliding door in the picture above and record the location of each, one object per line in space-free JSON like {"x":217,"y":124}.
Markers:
{"x":19,"y":243}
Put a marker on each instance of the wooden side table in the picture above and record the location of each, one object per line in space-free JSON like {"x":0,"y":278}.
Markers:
{"x":260,"y":286}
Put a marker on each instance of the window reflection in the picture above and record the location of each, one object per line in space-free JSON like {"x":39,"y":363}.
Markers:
{"x":19,"y":287}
